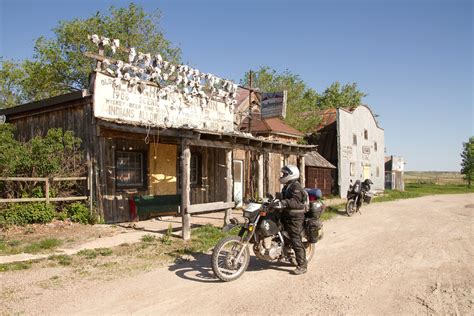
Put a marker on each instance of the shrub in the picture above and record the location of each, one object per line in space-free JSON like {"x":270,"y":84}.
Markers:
{"x":80,"y":213}
{"x":27,"y":213}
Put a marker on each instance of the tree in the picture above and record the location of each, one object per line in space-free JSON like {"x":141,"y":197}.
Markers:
{"x":337,"y":96}
{"x":59,"y":65}
{"x":467,"y":163}
{"x":300,"y":99}
{"x":303,"y":102}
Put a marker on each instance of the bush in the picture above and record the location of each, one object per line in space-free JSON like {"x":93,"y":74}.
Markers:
{"x":80,"y":213}
{"x":27,"y":213}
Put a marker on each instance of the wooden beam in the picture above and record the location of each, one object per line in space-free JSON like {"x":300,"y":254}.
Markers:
{"x":301,"y":166}
{"x":260,"y":175}
{"x":23,"y":179}
{"x":185,"y":194}
{"x":143,"y":130}
{"x":230,"y":186}
{"x":209,"y":143}
{"x":206,"y":207}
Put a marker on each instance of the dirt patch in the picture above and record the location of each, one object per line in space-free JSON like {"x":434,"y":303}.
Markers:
{"x":65,"y":234}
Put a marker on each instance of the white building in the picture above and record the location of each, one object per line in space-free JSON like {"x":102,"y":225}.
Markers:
{"x":353,"y":141}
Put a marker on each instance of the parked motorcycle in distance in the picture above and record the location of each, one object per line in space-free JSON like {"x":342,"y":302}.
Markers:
{"x":358,"y":193}
{"x":262,"y":229}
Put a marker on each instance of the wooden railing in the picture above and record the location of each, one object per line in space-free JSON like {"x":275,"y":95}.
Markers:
{"x":47,"y":182}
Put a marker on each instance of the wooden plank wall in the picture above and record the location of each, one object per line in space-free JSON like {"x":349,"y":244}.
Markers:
{"x":319,"y":178}
{"x":74,"y":117}
{"x":213,"y":176}
{"x":115,"y":204}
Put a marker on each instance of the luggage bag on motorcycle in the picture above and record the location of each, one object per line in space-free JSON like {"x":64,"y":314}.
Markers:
{"x":313,"y":222}
{"x":368,"y":198}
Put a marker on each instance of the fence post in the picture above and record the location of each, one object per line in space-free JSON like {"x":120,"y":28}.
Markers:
{"x":47,"y":190}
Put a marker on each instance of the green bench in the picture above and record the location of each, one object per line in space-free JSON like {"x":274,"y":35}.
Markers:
{"x":157,"y":205}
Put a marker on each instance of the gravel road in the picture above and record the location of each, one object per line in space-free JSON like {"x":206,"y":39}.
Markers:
{"x":408,"y":256}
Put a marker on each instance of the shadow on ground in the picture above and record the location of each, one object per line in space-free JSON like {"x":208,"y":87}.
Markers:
{"x":200,"y":269}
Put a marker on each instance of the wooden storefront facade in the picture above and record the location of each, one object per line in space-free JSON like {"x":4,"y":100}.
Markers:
{"x":196,"y":166}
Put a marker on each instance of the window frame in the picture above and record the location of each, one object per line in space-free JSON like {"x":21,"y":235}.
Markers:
{"x":143,"y":165}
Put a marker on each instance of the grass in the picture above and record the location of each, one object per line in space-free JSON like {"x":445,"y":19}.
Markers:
{"x":45,"y":244}
{"x":12,"y":247}
{"x":414,"y":190}
{"x":94,"y":253}
{"x":15,"y":266}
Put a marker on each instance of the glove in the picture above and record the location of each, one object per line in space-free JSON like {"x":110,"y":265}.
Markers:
{"x":277,"y":205}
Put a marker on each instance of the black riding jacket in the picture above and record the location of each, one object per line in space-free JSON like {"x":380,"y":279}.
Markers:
{"x":292,"y":196}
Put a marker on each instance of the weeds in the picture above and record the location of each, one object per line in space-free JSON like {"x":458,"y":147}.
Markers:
{"x":148,"y":238}
{"x":45,"y":244}
{"x":93,"y":253}
{"x":64,"y":260}
{"x":4,"y":267}
{"x":166,"y":239}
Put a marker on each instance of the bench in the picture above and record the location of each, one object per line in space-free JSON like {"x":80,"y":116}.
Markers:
{"x":159,"y":205}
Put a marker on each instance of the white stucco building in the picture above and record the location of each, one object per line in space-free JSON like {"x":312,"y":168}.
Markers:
{"x":353,"y":141}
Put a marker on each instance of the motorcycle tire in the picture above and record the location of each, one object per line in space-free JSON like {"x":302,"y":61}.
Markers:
{"x":223,"y":259}
{"x":350,"y":208}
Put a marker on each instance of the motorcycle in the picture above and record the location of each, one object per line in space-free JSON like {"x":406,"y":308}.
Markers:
{"x":358,"y":193}
{"x":262,"y":229}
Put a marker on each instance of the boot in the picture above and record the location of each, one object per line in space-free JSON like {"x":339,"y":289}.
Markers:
{"x":299,"y":270}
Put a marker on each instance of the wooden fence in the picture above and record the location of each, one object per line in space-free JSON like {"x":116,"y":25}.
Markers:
{"x":47,"y":182}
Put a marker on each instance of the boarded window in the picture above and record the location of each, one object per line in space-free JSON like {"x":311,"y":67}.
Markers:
{"x":129,"y":169}
{"x":366,"y":134}
{"x":354,"y":139}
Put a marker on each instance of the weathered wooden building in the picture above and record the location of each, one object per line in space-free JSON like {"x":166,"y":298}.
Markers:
{"x":395,"y":173}
{"x":178,"y":161}
{"x":319,"y":173}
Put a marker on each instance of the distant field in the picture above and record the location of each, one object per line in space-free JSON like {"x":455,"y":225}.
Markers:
{"x":434,"y":177}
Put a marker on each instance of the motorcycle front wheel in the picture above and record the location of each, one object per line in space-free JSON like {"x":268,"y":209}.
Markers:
{"x":224,"y":259}
{"x":350,"y":208}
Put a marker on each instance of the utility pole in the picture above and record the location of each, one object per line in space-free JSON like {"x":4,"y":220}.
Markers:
{"x":250,"y":102}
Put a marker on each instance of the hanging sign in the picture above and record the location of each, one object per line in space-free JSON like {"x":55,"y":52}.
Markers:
{"x":274,"y":104}
{"x":146,"y":105}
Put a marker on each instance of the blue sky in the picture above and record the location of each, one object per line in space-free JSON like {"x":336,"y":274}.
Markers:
{"x":414,"y":59}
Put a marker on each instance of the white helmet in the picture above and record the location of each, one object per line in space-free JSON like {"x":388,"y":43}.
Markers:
{"x":290,"y":173}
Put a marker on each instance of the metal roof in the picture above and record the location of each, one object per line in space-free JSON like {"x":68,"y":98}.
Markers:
{"x":313,"y":159}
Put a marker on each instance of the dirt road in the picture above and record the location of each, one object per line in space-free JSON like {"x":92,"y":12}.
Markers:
{"x":408,"y":256}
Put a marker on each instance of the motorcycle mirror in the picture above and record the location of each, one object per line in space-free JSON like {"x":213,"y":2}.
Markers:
{"x":269,"y":196}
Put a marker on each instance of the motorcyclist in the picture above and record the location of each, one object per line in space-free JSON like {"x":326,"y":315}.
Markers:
{"x":292,"y":206}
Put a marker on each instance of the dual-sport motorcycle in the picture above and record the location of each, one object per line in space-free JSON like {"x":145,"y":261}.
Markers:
{"x":262,"y":229}
{"x":358,"y":193}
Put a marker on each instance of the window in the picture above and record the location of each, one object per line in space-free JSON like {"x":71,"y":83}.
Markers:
{"x":366,"y":134}
{"x":378,"y":172}
{"x":375,"y":146}
{"x":354,"y":139}
{"x":352,"y":169}
{"x":129,"y":169}
{"x":195,"y":169}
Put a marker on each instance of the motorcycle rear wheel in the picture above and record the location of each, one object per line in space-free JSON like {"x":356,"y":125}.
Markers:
{"x":224,"y":264}
{"x":350,"y":208}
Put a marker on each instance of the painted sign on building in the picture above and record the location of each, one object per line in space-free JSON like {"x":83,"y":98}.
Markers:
{"x":274,"y":104}
{"x":143,"y":105}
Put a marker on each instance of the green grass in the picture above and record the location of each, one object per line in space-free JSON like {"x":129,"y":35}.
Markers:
{"x":414,"y":190}
{"x":15,"y":266}
{"x":148,"y":238}
{"x":64,"y":260}
{"x":94,"y":253}
{"x":45,"y":244}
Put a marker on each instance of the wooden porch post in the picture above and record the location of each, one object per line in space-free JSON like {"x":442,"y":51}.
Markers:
{"x":229,"y":184}
{"x":302,"y":171}
{"x":185,"y":186}
{"x":260,"y":175}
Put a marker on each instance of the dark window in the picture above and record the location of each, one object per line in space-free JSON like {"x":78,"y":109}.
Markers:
{"x":354,"y":139}
{"x":366,"y":134}
{"x":195,"y":169}
{"x":375,"y":146}
{"x":129,"y":169}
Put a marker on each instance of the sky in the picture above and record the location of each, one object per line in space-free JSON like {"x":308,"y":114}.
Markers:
{"x":414,"y":58}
